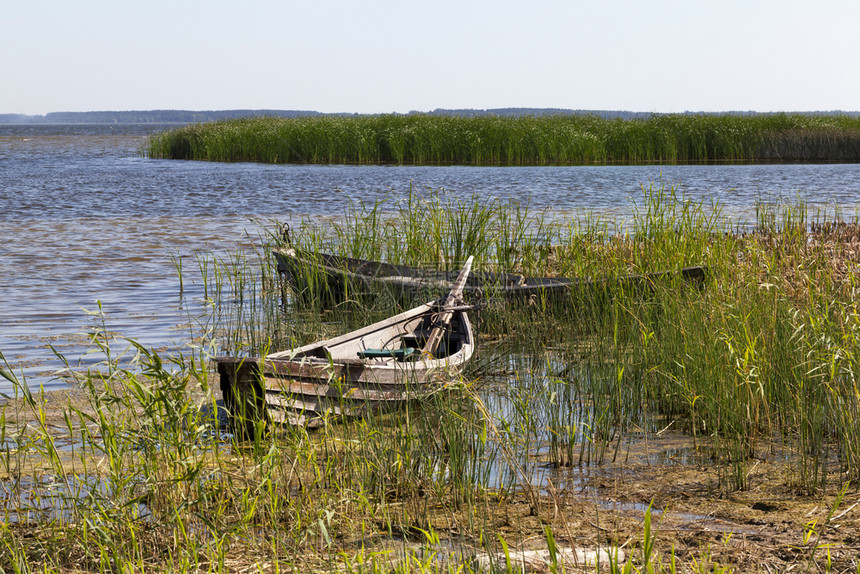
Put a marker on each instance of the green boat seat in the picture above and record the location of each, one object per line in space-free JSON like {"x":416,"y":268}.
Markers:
{"x":386,"y":353}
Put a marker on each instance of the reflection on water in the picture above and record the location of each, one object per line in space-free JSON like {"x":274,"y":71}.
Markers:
{"x":86,"y":218}
{"x":50,"y":498}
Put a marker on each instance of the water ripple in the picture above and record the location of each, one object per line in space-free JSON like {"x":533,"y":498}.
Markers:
{"x":85,"y":217}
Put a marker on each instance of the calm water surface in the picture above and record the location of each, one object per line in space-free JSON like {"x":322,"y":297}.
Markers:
{"x":85,"y":218}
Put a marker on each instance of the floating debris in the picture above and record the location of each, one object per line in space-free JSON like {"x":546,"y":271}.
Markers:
{"x":542,"y":560}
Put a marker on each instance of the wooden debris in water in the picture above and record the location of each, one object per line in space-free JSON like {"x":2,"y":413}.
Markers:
{"x":542,"y":560}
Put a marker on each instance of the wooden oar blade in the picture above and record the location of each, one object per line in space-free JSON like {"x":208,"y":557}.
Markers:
{"x":460,"y":282}
{"x":444,"y":318}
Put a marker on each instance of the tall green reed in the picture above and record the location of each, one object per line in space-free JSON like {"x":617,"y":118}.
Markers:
{"x":525,"y":140}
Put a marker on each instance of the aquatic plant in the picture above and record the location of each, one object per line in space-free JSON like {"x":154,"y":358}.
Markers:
{"x":516,"y":140}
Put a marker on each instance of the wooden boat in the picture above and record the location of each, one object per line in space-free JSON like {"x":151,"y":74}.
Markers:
{"x":402,"y":358}
{"x":334,"y":279}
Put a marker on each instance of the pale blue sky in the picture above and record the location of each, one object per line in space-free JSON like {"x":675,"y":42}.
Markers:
{"x":375,"y":56}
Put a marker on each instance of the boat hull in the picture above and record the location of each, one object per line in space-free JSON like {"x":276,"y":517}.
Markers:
{"x":293,"y":392}
{"x":349,"y":375}
{"x":331,"y":279}
{"x":334,"y":279}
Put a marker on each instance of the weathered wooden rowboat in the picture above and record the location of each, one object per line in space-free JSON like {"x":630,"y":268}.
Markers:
{"x":335,"y":279}
{"x":402,"y":358}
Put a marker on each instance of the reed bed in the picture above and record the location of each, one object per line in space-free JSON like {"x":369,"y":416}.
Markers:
{"x":516,"y":141}
{"x":130,"y":472}
{"x":764,"y":352}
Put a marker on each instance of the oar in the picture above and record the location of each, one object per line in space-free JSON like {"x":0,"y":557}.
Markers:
{"x":445,"y":316}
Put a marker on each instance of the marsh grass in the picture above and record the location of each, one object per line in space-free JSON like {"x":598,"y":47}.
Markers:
{"x":765,"y":350}
{"x":527,"y":140}
{"x":150,"y":484}
{"x":760,"y":363}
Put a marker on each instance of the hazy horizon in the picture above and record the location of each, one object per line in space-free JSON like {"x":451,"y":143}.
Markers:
{"x":431,"y":111}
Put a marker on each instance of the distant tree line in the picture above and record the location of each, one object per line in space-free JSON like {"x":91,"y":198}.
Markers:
{"x":193,"y":117}
{"x":610,"y":114}
{"x":147,"y":117}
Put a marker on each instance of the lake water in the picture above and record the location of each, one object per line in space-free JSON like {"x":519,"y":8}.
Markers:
{"x":85,"y":218}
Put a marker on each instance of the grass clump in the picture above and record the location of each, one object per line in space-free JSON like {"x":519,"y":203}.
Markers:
{"x":418,"y":139}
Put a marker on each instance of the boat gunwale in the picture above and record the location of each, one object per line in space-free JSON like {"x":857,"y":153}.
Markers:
{"x":512,"y":285}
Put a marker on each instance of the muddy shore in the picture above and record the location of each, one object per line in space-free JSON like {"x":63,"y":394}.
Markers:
{"x":771,"y":527}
